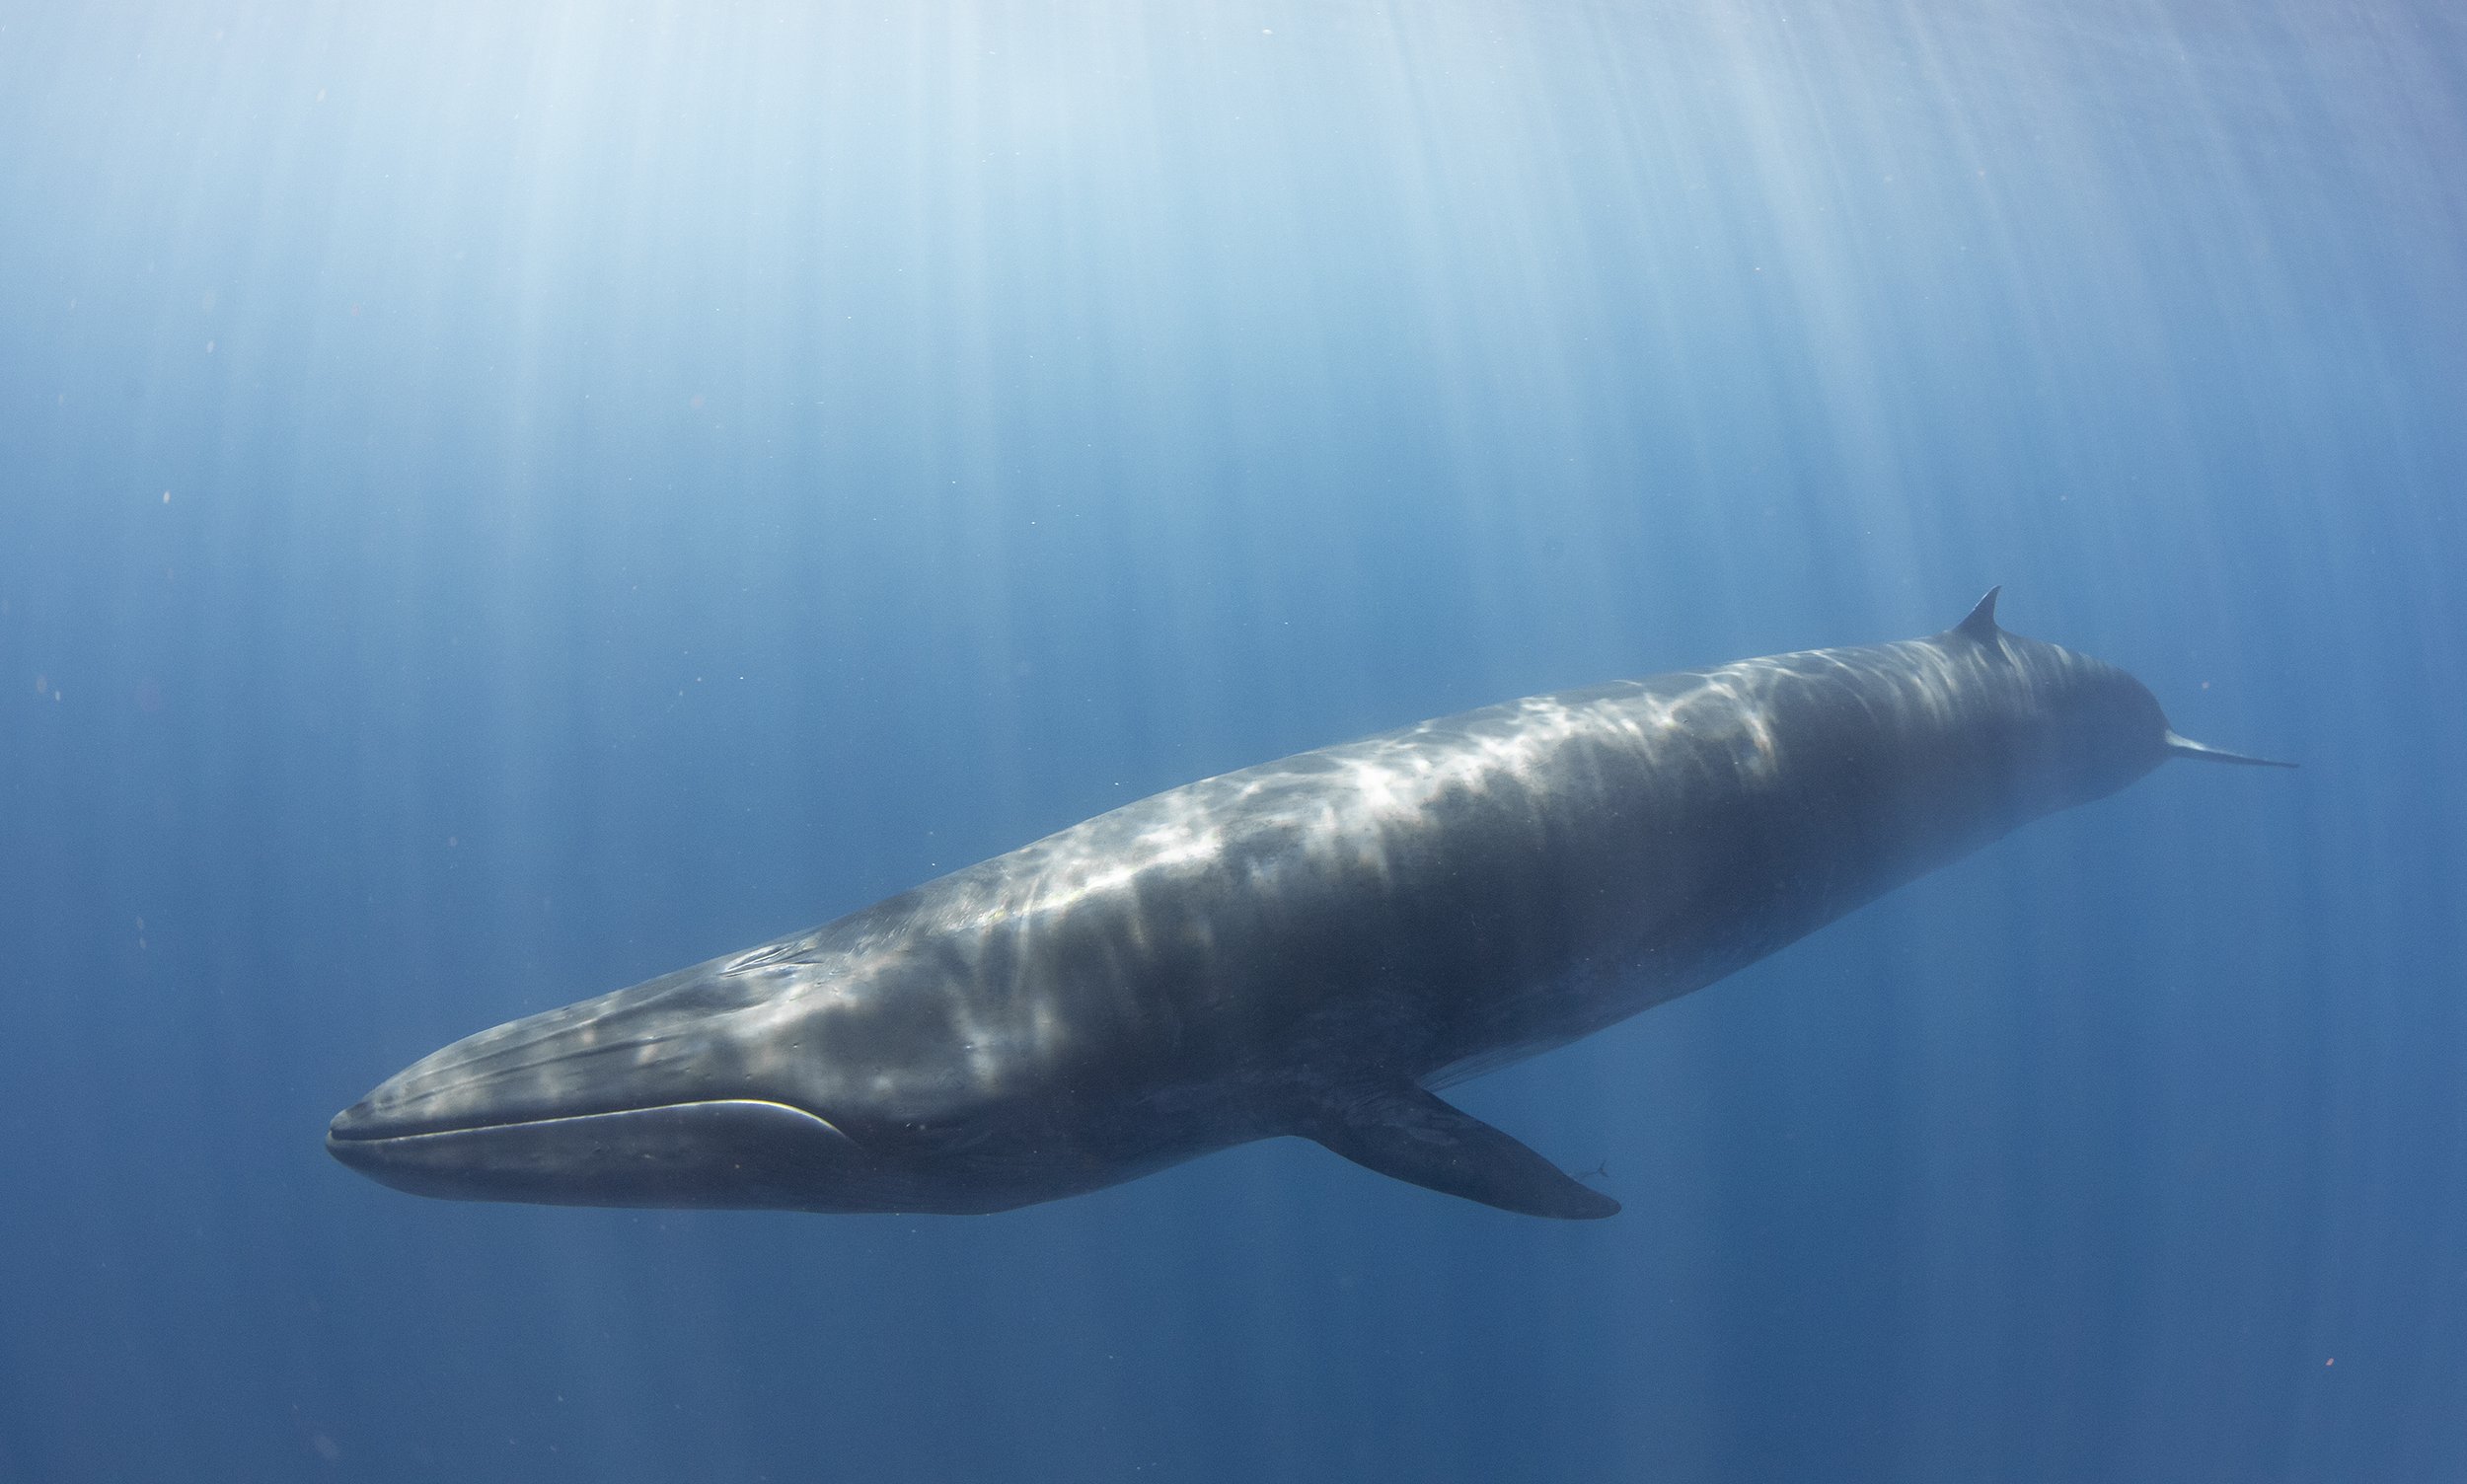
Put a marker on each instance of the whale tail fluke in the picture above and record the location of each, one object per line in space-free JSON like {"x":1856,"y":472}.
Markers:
{"x":2186,"y":747}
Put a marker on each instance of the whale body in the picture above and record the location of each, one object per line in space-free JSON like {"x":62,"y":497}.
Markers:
{"x":1306,"y":947}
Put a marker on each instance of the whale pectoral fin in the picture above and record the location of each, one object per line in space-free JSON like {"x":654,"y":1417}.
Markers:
{"x":1409,"y":1135}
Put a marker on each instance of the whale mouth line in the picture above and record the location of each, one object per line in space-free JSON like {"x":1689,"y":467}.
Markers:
{"x":767,"y":1107}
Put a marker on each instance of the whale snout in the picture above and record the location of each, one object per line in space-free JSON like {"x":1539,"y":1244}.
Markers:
{"x":722,"y":1152}
{"x":632,"y":1099}
{"x":359,"y":1123}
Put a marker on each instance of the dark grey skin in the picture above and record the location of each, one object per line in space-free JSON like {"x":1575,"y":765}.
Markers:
{"x":1304,"y":948}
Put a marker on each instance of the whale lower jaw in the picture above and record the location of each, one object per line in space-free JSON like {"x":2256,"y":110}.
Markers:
{"x":720,"y":1152}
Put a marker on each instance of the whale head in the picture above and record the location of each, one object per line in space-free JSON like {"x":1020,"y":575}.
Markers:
{"x":709,"y":1087}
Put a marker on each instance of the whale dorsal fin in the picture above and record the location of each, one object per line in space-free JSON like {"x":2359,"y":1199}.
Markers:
{"x":1982,"y":624}
{"x":1409,"y":1135}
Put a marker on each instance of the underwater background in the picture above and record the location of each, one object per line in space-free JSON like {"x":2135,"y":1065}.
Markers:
{"x":500,"y":502}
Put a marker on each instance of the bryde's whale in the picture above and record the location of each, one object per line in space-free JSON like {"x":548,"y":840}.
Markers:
{"x":1306,"y":947}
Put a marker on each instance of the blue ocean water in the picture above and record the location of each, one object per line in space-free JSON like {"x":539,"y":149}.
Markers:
{"x":500,"y":502}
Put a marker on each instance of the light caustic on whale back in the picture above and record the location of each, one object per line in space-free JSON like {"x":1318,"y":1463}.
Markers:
{"x":1304,"y":948}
